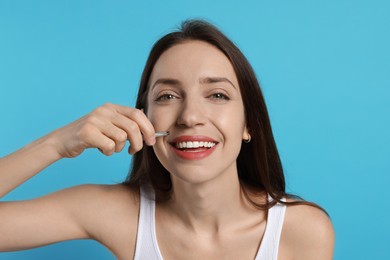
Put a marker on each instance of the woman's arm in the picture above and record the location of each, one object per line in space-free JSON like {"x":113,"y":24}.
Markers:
{"x":106,"y":128}
{"x":60,"y":216}
{"x":49,"y":219}
{"x":23,"y":164}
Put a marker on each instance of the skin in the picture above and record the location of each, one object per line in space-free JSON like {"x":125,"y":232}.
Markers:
{"x":200,"y":221}
{"x":194,"y":106}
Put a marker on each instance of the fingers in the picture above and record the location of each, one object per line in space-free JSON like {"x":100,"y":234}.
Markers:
{"x":93,"y":137}
{"x":116,"y":134}
{"x":143,"y":123}
{"x":132,"y":131}
{"x":117,"y":124}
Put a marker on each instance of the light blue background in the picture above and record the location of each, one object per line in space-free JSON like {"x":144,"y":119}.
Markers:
{"x":323,"y":65}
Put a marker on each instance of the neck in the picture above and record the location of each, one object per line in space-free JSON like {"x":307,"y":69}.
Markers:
{"x":210,"y":206}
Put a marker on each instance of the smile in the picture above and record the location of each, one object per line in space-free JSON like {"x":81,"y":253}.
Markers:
{"x":193,"y":147}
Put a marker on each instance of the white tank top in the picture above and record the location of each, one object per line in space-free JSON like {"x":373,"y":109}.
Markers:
{"x":147,"y":246}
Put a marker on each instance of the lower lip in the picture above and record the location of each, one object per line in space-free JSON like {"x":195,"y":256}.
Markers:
{"x":194,"y":155}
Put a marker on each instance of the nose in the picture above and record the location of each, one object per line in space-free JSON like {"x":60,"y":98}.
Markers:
{"x":191,"y":114}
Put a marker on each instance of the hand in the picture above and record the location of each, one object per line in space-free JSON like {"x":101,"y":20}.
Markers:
{"x":107,"y":128}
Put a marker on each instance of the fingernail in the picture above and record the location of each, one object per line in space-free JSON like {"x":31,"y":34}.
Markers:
{"x":152,"y":140}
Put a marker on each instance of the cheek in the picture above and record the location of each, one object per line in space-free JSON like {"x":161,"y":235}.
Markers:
{"x":231,"y":122}
{"x":160,"y":118}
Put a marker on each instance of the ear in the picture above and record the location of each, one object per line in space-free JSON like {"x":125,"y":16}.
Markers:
{"x":245,"y":134}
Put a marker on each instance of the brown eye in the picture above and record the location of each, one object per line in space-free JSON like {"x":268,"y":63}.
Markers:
{"x":220,"y":96}
{"x":165,"y":97}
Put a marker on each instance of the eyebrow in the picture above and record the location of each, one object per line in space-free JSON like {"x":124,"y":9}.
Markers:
{"x":206,"y":80}
{"x":216,"y":80}
{"x":166,"y":81}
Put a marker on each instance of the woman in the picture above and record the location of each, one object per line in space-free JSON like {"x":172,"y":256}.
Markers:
{"x":211,"y":189}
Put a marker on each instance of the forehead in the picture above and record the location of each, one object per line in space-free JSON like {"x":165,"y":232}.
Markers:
{"x":193,"y":59}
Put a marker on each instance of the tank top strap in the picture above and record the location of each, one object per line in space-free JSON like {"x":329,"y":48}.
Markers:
{"x":146,"y":245}
{"x":269,"y":246}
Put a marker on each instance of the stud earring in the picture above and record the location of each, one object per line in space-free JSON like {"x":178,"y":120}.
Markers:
{"x":248,"y":140}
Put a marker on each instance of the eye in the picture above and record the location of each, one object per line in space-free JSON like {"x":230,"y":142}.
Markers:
{"x":219,"y":96}
{"x":165,"y":97}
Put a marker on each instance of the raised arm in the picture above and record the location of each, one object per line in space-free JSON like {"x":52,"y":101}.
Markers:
{"x":21,"y":165}
{"x":60,"y":214}
{"x":106,"y":128}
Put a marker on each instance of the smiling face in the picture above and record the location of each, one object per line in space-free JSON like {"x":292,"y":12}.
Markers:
{"x":194,"y":94}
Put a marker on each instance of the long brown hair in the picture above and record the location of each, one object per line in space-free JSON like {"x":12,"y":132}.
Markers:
{"x":258,"y":163}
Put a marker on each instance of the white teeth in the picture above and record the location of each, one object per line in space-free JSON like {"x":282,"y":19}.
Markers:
{"x":194,"y":144}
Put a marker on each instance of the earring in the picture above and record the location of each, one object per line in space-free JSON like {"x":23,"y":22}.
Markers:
{"x":248,"y":140}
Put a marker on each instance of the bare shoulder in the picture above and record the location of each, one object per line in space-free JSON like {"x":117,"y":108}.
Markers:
{"x":109,"y":214}
{"x":105,"y":201}
{"x":307,"y":234}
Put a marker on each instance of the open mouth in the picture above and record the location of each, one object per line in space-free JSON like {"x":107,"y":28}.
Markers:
{"x":194,"y":147}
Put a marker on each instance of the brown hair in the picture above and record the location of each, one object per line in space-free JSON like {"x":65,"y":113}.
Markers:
{"x":258,"y":163}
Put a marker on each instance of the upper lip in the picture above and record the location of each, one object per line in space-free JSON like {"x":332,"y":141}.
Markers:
{"x":189,"y":138}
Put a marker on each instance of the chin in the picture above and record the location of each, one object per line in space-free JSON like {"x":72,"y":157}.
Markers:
{"x":196,"y":175}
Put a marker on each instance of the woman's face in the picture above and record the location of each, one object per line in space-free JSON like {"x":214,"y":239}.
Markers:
{"x":194,"y":94}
